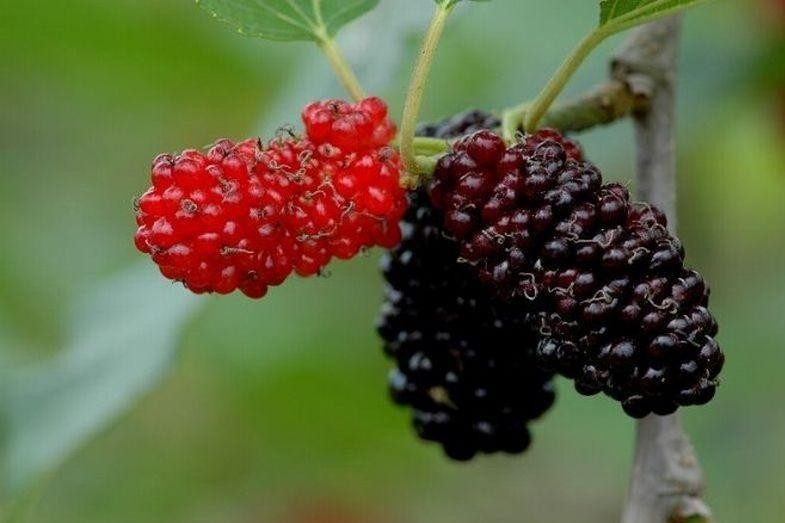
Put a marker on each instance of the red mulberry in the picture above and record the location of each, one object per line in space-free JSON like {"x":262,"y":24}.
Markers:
{"x":248,"y":215}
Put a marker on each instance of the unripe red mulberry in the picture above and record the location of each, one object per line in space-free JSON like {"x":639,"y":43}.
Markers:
{"x":247,"y":215}
{"x":347,"y":126}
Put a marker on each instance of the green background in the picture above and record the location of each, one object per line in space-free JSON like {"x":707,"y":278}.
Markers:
{"x":276,"y":410}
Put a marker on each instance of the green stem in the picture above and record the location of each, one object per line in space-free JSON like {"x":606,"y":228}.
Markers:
{"x":427,"y":152}
{"x":419,"y":79}
{"x":426,"y":165}
{"x":427,"y":146}
{"x":513,"y":120}
{"x":559,"y":80}
{"x":342,"y":68}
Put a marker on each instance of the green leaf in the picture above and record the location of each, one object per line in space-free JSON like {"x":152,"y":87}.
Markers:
{"x":123,"y":339}
{"x":288,"y":20}
{"x":448,"y":3}
{"x":611,"y":9}
{"x":311,"y":76}
{"x":618,"y":15}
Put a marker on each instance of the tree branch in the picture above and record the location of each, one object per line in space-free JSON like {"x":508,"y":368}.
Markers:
{"x":667,"y":481}
{"x":605,"y":104}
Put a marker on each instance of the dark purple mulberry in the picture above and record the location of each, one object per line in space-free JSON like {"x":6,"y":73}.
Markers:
{"x":617,"y":310}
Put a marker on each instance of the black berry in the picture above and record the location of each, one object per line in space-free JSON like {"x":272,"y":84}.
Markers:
{"x":464,"y":360}
{"x":617,"y":310}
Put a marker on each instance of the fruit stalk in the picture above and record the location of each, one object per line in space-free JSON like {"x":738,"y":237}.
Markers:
{"x":667,"y":481}
{"x":411,"y":110}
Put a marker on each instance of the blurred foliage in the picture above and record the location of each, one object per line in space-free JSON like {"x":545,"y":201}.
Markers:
{"x":276,"y":410}
{"x":121,"y":342}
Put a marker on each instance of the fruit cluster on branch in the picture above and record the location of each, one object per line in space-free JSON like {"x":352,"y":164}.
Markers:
{"x":515,"y":263}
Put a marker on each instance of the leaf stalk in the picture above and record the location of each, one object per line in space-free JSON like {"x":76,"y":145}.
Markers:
{"x":341,"y":68}
{"x":559,"y":80}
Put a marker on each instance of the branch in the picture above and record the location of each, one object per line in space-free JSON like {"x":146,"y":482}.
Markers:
{"x":603,"y":105}
{"x":667,"y":481}
{"x":606,"y":104}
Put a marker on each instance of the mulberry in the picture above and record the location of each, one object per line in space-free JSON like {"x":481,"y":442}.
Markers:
{"x":617,"y":310}
{"x":464,"y":360}
{"x":245,"y":216}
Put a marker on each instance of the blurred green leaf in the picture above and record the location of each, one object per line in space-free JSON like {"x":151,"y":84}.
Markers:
{"x":453,"y":2}
{"x":122,"y":341}
{"x":288,"y":20}
{"x":618,"y":15}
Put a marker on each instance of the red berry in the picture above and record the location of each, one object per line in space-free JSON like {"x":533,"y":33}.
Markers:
{"x":246,"y":216}
{"x":349,"y":127}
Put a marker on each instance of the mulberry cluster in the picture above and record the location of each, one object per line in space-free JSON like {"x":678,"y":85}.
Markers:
{"x":245,"y":216}
{"x":464,"y":360}
{"x":617,"y":310}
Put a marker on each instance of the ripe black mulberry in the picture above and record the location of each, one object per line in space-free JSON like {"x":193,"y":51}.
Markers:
{"x":616,"y":309}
